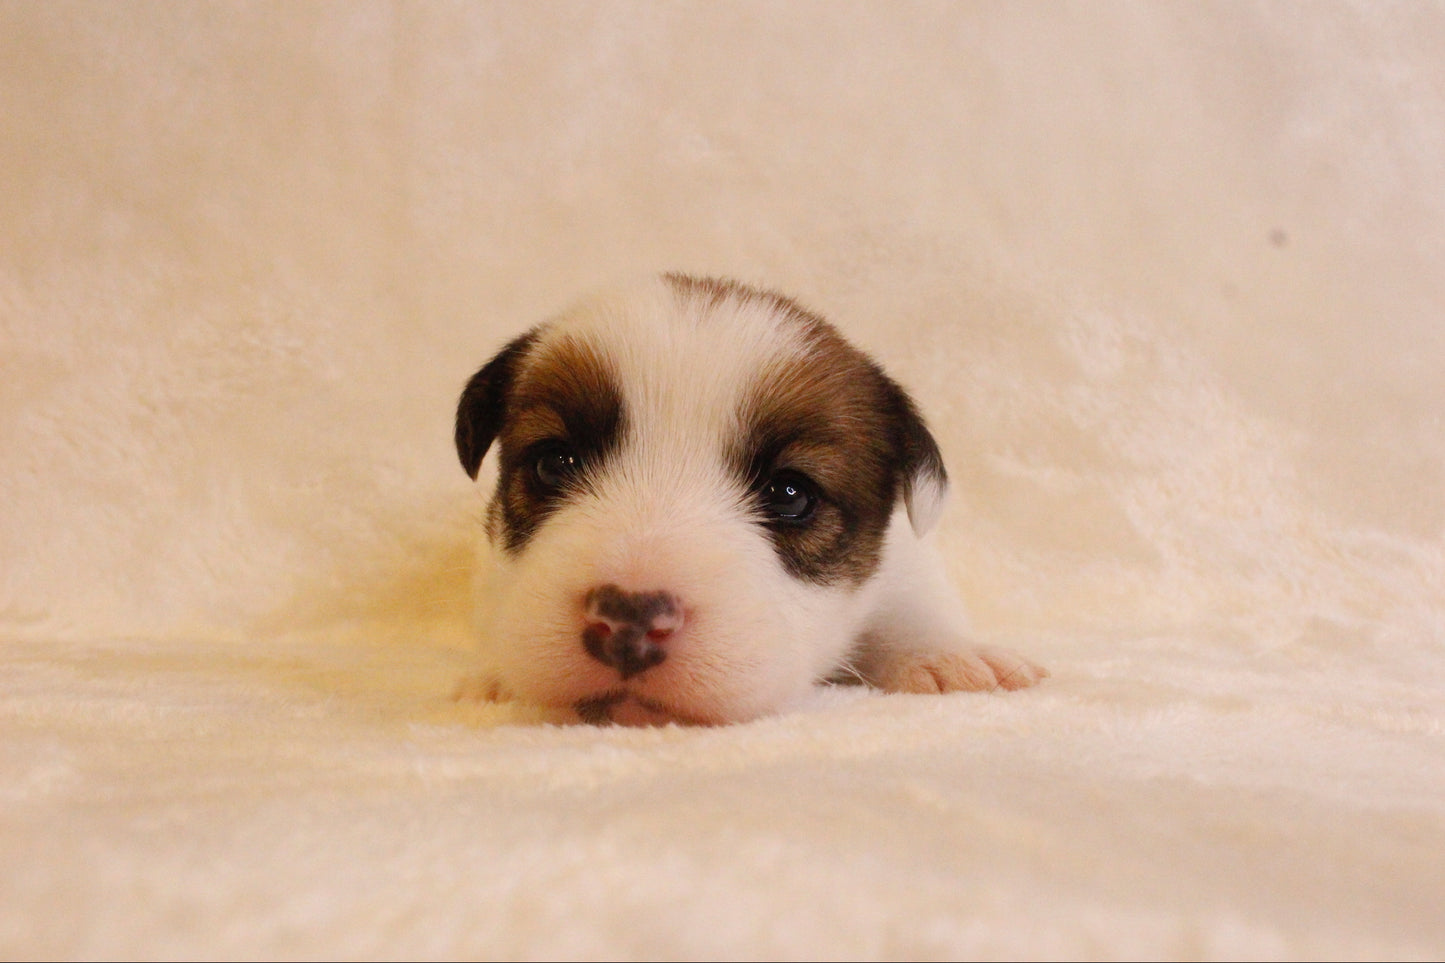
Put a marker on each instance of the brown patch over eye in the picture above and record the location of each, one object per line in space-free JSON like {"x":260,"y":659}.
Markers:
{"x":815,"y":419}
{"x":565,"y":418}
{"x":831,"y":417}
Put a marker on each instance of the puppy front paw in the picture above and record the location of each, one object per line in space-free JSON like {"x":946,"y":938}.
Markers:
{"x":975,"y":670}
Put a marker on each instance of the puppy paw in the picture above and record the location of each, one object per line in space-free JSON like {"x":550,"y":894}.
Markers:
{"x":976,"y":670}
{"x":481,"y":688}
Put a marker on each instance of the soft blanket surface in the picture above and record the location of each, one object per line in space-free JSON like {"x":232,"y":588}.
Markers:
{"x":1166,"y":280}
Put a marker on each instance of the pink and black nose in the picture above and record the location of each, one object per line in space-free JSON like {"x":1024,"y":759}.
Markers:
{"x":628,"y":630}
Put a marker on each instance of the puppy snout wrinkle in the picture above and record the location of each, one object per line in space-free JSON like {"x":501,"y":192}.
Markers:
{"x":628,"y":630}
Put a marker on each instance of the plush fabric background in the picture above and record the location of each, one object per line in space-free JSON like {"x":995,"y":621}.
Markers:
{"x":1168,"y":280}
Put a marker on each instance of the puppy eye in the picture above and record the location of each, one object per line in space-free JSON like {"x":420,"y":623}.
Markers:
{"x":789,"y":497}
{"x":556,"y":465}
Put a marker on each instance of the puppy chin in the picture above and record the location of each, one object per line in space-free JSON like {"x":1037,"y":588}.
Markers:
{"x":625,"y":709}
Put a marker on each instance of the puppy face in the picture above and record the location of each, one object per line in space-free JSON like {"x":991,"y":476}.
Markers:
{"x":694,"y":483}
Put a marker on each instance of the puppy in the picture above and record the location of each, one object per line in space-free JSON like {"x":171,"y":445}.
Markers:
{"x":706,"y":503}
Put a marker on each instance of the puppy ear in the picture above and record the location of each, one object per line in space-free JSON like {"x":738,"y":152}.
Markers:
{"x":482,"y":410}
{"x":924,"y":480}
{"x":924,"y":494}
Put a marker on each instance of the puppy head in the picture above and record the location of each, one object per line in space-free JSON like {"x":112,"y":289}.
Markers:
{"x":694,"y":483}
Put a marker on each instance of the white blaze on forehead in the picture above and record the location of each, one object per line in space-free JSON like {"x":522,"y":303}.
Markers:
{"x":684,"y":366}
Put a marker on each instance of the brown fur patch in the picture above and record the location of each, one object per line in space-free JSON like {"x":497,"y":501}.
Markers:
{"x":833,"y":415}
{"x":566,"y":393}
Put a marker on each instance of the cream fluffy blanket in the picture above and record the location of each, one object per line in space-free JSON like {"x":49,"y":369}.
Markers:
{"x":1167,"y":280}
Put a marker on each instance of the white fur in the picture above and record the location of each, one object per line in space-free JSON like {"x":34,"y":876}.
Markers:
{"x":667,"y":514}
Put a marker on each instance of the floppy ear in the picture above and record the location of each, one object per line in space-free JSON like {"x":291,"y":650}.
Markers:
{"x":924,"y":493}
{"x":482,"y":410}
{"x":924,"y":480}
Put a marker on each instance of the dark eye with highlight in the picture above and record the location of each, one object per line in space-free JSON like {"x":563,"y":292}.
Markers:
{"x":555,"y":465}
{"x":789,"y":497}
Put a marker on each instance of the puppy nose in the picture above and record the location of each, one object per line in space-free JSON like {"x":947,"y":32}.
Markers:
{"x":626,"y":630}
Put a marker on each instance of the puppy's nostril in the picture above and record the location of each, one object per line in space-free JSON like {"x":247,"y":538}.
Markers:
{"x":627,"y":630}
{"x":628,"y":648}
